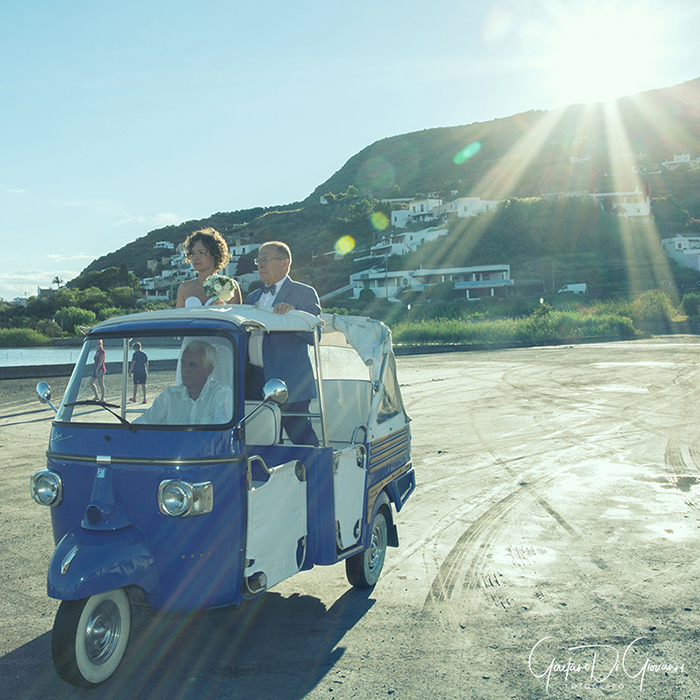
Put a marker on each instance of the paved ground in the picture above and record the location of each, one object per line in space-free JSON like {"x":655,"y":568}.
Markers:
{"x":550,"y":550}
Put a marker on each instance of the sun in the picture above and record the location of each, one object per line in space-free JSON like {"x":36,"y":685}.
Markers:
{"x":599,"y":51}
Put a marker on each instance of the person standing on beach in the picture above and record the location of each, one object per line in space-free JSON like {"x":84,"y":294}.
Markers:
{"x":139,"y":370}
{"x":98,"y":371}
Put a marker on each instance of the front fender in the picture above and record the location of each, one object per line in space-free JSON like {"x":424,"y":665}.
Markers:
{"x":86,"y":563}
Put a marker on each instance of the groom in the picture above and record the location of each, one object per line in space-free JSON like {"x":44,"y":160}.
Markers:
{"x":283,"y":356}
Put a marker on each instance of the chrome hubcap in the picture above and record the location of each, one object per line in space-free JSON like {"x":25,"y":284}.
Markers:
{"x":102,"y":632}
{"x":375,"y":549}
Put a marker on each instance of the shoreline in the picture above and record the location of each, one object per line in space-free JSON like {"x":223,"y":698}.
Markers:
{"x":65,"y":370}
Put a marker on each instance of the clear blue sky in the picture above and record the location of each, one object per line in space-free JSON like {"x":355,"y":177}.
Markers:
{"x":118,"y":118}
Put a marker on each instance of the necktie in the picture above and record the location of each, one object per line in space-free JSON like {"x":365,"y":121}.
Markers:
{"x":269,"y":290}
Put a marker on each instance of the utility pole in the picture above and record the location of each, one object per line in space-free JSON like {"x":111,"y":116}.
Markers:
{"x":554,"y":287}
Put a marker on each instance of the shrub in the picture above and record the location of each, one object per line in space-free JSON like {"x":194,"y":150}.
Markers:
{"x":21,"y":338}
{"x":366,"y":295}
{"x":72,"y":316}
{"x":652,"y":307}
{"x":49,"y":328}
{"x":109,"y":312}
{"x":691,"y":304}
{"x":544,"y":325}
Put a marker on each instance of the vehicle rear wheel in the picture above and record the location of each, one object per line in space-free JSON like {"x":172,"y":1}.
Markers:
{"x":90,"y":637}
{"x":363,"y":569}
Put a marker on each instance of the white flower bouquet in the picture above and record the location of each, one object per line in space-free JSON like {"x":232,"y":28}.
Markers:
{"x":219,"y":287}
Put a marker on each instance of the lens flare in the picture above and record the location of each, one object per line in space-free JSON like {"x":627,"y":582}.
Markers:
{"x":466,"y":153}
{"x":345,"y":245}
{"x":379,"y":221}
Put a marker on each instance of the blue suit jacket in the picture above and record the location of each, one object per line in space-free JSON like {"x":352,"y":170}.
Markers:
{"x":286,"y":355}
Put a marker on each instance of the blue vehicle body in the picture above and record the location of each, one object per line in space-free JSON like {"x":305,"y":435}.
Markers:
{"x":111,"y":523}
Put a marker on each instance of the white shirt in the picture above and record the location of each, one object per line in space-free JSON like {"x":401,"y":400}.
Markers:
{"x":266,"y":301}
{"x":174,"y":406}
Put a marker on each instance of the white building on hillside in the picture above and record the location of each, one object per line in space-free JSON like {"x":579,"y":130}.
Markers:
{"x":161,"y":288}
{"x":685,"y":250}
{"x":236,"y":252}
{"x":405,"y":242}
{"x":476,"y":282}
{"x":400,"y":217}
{"x":683,"y":159}
{"x":628,"y":204}
{"x":422,"y":209}
{"x":467,"y":206}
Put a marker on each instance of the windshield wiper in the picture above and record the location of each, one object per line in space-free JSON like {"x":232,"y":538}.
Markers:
{"x":107,"y":407}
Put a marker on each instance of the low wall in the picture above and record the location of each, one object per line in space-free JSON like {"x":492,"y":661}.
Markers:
{"x":36,"y":372}
{"x":43,"y":371}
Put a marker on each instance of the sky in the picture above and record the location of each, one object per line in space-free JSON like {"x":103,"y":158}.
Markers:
{"x":119,"y":118}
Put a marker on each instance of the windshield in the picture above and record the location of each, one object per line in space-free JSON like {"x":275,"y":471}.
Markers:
{"x":152,"y":381}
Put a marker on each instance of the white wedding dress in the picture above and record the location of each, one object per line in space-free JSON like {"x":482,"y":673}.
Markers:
{"x":192,"y":302}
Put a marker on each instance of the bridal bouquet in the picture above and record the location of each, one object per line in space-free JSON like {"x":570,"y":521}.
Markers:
{"x":219,"y":287}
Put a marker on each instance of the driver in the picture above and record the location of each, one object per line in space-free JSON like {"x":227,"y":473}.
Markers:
{"x":199,"y":399}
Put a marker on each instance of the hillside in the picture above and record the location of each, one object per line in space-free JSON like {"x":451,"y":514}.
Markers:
{"x":581,"y":148}
{"x":537,"y":146}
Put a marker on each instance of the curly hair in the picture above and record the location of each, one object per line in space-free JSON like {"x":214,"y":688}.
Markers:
{"x":213,"y":241}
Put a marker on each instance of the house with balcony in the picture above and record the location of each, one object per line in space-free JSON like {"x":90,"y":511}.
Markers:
{"x":423,"y":209}
{"x":475,"y":282}
{"x":682,"y":159}
{"x":160,"y":288}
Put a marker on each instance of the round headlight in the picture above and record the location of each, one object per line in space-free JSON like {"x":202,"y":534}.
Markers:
{"x":175,"y":498}
{"x":46,"y":488}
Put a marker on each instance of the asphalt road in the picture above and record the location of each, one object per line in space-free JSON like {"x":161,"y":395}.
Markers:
{"x":550,"y":550}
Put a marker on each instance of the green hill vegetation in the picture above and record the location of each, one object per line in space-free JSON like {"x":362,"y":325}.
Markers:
{"x":579,"y":149}
{"x":539,"y":165}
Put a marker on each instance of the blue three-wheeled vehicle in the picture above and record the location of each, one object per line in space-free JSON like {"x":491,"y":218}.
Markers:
{"x":207,"y":506}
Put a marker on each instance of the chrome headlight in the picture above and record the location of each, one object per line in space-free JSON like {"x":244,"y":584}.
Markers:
{"x":180,"y":499}
{"x":46,"y":488}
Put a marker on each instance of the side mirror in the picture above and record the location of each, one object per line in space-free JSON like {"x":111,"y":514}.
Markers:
{"x":43,"y":391}
{"x":275,"y":390}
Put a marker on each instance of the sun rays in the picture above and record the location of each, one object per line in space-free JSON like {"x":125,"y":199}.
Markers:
{"x":597,"y":134}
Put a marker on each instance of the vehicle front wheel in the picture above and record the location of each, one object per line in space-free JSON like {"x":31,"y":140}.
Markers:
{"x":90,"y":637}
{"x":363,"y":569}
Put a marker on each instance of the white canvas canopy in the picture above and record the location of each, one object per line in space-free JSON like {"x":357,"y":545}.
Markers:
{"x":243,"y":315}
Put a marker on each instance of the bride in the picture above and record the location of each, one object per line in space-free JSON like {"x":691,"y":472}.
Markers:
{"x":207,"y":251}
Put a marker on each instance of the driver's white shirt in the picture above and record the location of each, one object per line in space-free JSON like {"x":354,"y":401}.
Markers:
{"x":174,"y":406}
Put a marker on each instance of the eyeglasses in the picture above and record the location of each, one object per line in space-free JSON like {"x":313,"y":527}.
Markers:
{"x":264,"y":260}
